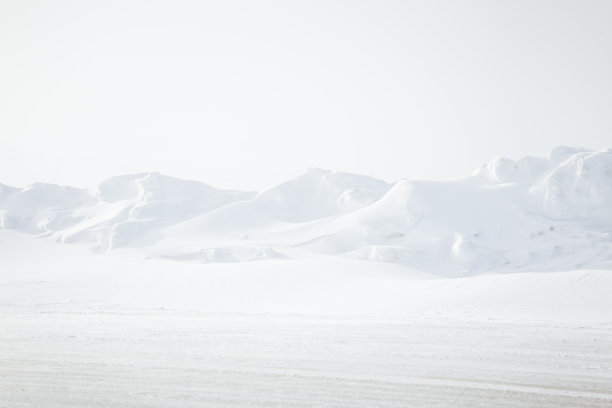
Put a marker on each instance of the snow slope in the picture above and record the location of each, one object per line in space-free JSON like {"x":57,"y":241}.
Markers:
{"x":126,"y":211}
{"x":358,"y":297}
{"x":70,"y":278}
{"x":114,"y":330}
{"x":552,"y":213}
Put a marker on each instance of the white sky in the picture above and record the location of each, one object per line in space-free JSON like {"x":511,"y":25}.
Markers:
{"x":245,"y":94}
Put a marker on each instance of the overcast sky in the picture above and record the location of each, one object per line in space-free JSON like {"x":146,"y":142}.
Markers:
{"x":245,"y":94}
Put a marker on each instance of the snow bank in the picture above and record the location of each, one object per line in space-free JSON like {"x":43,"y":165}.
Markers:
{"x":548,"y":213}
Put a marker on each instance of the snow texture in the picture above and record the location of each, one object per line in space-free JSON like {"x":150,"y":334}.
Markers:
{"x":331,"y":289}
{"x":552,"y":213}
{"x":113,"y":330}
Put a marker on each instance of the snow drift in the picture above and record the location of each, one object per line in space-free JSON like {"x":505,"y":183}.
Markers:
{"x":552,"y":213}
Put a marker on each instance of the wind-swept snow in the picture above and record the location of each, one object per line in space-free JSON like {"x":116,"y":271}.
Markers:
{"x":112,"y":330}
{"x":331,"y":289}
{"x":552,"y":213}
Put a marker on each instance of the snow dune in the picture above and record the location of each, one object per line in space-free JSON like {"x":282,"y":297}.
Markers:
{"x":552,"y":213}
{"x":331,"y":289}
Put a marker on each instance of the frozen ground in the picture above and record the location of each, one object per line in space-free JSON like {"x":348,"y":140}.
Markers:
{"x":79,"y":329}
{"x":148,"y":358}
{"x":331,"y":289}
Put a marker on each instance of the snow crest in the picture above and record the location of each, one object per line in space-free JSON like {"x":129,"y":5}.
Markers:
{"x":545,"y":213}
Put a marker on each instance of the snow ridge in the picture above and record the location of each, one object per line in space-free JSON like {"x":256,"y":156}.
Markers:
{"x":550,"y":213}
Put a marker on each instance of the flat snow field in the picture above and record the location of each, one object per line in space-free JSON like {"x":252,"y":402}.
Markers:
{"x":84,"y":330}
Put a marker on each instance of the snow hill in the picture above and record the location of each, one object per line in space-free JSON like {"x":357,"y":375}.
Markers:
{"x":552,"y":213}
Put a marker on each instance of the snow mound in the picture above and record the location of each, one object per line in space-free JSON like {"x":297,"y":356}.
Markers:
{"x":318,"y":194}
{"x":547,"y":213}
{"x":578,"y":187}
{"x":41,"y":208}
{"x":128,"y":210}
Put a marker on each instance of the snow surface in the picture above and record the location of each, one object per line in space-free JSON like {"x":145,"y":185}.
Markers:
{"x":79,"y":329}
{"x":494,"y":290}
{"x":533,"y":214}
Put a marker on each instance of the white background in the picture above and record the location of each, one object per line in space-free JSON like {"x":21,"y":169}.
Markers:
{"x":245,"y":94}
